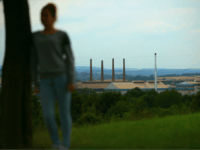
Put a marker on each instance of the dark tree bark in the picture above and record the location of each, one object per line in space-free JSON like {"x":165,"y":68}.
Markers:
{"x":16,"y":120}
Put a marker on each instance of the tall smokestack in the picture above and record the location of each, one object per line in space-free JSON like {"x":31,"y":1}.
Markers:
{"x":124,"y":69}
{"x":102,"y":70}
{"x":113,"y":71}
{"x":90,"y":69}
{"x":155,"y":74}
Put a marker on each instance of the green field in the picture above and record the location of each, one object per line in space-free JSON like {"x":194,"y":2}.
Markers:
{"x":170,"y":132}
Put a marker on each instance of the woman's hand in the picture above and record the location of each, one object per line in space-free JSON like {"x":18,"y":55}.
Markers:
{"x":71,"y":87}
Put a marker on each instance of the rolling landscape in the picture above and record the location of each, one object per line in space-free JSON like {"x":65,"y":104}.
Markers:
{"x":83,"y":73}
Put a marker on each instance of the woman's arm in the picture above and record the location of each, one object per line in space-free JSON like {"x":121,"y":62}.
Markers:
{"x":70,"y":64}
{"x":69,"y":59}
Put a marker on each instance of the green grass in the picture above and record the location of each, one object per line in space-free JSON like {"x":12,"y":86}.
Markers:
{"x":177,"y":131}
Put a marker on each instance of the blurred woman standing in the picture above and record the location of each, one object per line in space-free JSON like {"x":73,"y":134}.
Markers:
{"x":56,"y":74}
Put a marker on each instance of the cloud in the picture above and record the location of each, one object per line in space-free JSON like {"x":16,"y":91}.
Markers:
{"x":111,"y":18}
{"x":195,"y":31}
{"x":150,"y":21}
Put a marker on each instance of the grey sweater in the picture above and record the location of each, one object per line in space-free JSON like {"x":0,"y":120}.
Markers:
{"x":47,"y":56}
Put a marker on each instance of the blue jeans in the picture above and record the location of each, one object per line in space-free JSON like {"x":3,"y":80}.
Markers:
{"x":51,"y":88}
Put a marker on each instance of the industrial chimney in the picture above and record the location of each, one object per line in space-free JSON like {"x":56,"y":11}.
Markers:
{"x":124,"y":69}
{"x":155,"y":74}
{"x":90,"y":69}
{"x":113,"y":71}
{"x":102,"y":70}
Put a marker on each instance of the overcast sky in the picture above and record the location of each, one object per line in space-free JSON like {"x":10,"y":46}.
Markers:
{"x":130,"y":29}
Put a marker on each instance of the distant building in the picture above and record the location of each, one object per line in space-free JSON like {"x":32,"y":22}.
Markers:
{"x":188,"y":87}
{"x":119,"y":85}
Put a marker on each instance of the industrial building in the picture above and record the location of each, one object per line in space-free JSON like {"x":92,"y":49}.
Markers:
{"x":123,"y":85}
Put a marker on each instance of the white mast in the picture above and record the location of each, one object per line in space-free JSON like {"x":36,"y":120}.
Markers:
{"x":155,"y":74}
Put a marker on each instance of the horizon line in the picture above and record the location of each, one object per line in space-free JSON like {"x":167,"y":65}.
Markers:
{"x":130,"y":68}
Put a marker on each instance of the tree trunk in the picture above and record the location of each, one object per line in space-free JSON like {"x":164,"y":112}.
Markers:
{"x":16,"y":115}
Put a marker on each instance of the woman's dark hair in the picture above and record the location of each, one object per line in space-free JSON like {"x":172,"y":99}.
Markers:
{"x":51,"y":7}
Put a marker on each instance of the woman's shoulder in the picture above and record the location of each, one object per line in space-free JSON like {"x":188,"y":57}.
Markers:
{"x":62,"y":31}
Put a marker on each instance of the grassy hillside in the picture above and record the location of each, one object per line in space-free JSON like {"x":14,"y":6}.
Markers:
{"x":181,"y":132}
